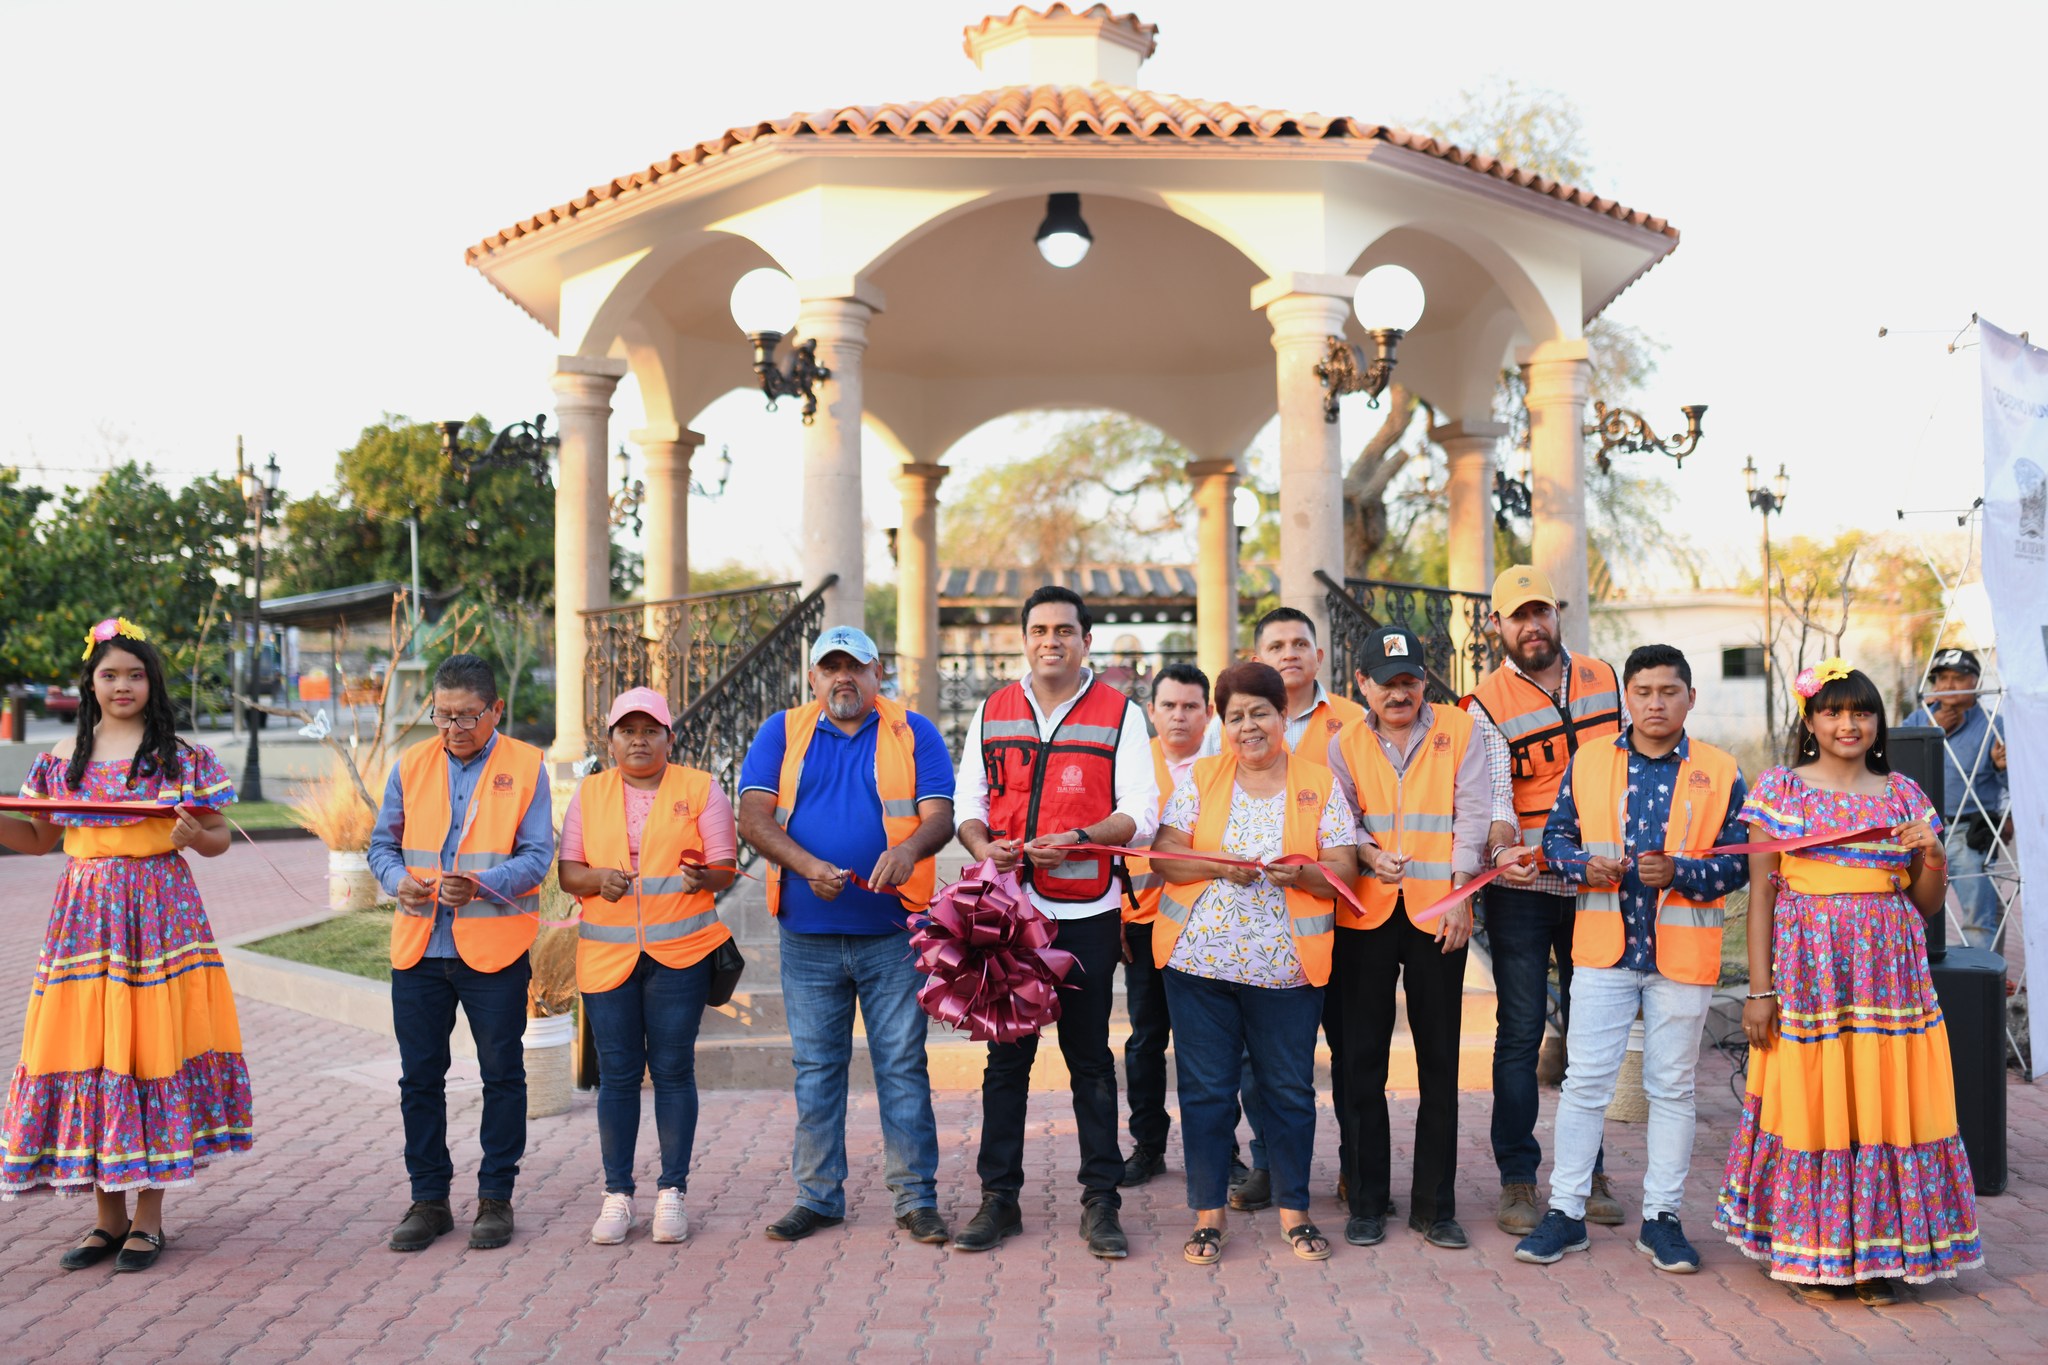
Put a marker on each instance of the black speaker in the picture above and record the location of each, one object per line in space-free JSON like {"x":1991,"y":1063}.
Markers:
{"x":1916,"y":751}
{"x":1970,"y":984}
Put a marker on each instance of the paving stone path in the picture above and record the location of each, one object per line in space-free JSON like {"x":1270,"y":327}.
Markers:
{"x":280,"y":1256}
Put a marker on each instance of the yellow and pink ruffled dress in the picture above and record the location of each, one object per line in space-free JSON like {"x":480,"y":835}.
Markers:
{"x":1847,"y":1164}
{"x":131,"y":1072}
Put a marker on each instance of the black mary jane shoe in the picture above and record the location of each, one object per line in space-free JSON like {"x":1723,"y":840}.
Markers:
{"x":90,"y":1255}
{"x":129,"y":1259}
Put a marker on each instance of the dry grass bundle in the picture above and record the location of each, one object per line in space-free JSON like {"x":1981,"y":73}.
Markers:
{"x":553,"y":989}
{"x":333,"y":808}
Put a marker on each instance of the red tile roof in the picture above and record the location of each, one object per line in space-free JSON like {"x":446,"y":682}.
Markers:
{"x":1053,"y":116}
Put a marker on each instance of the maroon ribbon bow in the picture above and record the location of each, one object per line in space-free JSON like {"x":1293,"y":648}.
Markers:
{"x":988,"y":951}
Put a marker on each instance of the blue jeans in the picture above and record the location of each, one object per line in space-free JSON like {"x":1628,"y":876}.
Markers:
{"x":1524,"y":930}
{"x":648,"y":1024}
{"x":1604,"y":1004}
{"x":423,"y":1001}
{"x":1214,"y":1023}
{"x":823,"y":975}
{"x":1969,"y":875}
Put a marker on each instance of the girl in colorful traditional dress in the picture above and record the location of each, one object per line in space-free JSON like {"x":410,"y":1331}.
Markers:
{"x":1847,"y":1168}
{"x":131,"y":1071}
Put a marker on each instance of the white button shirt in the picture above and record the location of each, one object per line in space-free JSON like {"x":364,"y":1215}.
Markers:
{"x":1137,"y":789}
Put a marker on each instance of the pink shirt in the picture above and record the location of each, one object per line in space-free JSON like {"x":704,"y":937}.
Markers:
{"x":714,"y":824}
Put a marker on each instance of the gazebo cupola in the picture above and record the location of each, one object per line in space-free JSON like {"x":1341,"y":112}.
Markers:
{"x":1061,"y":47}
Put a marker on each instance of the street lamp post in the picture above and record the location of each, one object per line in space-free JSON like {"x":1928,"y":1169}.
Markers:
{"x":1766,"y":501}
{"x":257,"y":491}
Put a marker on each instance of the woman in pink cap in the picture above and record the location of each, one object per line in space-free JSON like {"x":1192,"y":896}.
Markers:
{"x":645,"y":844}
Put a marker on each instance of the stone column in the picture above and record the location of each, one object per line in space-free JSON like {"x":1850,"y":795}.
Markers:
{"x":1469,"y":448}
{"x":1215,"y":564}
{"x":1558,"y":377}
{"x":1311,"y":461}
{"x":583,"y":407}
{"x":667,"y":451}
{"x":917,"y":587}
{"x":832,"y":522}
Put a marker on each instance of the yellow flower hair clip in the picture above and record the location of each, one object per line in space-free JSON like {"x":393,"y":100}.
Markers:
{"x":1812,"y":680}
{"x":108,"y":629}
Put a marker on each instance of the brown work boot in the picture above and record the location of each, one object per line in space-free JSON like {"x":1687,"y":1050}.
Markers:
{"x":1518,"y":1215}
{"x":1601,"y":1205}
{"x":493,"y":1226}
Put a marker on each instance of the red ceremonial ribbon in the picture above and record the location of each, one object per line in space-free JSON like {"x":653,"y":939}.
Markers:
{"x":1344,"y":892}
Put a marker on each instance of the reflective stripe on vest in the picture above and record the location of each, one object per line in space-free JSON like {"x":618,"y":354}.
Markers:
{"x":895,"y":789}
{"x":1541,"y":738}
{"x":1310,"y":920}
{"x":1143,"y":904}
{"x":674,"y":927}
{"x":1688,"y":932}
{"x":489,"y":934}
{"x":1050,"y":786}
{"x":1407,"y":813}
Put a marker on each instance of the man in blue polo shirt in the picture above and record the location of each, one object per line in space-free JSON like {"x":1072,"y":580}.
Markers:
{"x":821,"y":789}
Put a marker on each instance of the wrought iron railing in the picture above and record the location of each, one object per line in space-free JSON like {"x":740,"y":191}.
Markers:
{"x":714,"y":730}
{"x":679,"y":646}
{"x":965,"y":678}
{"x":1457,"y":650}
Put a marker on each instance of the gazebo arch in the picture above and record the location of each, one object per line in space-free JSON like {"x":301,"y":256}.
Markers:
{"x":1228,"y":240}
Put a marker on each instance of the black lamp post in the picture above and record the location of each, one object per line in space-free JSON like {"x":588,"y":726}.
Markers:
{"x":1766,"y":501}
{"x":257,"y":491}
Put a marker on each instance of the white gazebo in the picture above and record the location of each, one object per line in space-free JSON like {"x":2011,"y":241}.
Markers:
{"x":1227,"y":243}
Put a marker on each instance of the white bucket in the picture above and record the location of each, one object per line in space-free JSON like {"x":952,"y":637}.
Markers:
{"x":549,"y":1070}
{"x":350,"y":883}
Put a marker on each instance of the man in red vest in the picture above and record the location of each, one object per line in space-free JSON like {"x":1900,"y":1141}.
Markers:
{"x":1060,"y":758}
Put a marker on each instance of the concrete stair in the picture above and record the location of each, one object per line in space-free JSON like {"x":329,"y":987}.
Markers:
{"x":745,"y":1044}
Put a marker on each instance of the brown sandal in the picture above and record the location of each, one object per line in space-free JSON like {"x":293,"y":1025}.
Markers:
{"x":1205,"y":1247}
{"x":1309,"y":1242}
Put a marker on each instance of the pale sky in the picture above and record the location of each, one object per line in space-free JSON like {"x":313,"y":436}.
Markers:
{"x":231,"y":218}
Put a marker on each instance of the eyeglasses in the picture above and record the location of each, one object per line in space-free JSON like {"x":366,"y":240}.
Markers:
{"x":442,"y":721}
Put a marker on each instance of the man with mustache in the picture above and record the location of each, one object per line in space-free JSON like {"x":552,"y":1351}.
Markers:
{"x":1058,"y":758}
{"x":1542,"y":703}
{"x":852,"y":783}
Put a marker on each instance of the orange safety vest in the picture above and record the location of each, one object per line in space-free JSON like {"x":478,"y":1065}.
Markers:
{"x":674,"y":927}
{"x":895,"y":781}
{"x":1142,"y":906}
{"x":1688,"y":931}
{"x":1325,"y":723}
{"x":1406,"y":813}
{"x":1541,"y":738}
{"x":1311,"y":919}
{"x":489,"y":934}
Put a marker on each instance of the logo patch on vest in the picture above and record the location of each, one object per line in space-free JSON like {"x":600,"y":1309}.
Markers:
{"x":1441,"y":743}
{"x":1586,"y":673}
{"x":899,"y":728}
{"x":502,"y":782}
{"x":681,"y":810}
{"x":1071,"y":778}
{"x":1699,"y":779}
{"x":1304,"y":797}
{"x":1333,"y":725}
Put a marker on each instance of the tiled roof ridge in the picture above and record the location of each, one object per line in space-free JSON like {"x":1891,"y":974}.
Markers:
{"x":1062,"y":113}
{"x":1059,"y":10}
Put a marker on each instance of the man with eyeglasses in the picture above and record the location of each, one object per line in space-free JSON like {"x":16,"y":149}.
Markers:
{"x":463,"y":840}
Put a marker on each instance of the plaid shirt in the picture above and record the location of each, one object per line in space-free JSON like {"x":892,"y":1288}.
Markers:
{"x":1500,"y":768}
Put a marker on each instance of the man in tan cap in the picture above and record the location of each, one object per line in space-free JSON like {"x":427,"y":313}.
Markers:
{"x":1536,"y":709}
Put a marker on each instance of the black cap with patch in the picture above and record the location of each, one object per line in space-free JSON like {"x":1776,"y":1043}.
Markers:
{"x":1955,"y":660}
{"x":1391,"y":652}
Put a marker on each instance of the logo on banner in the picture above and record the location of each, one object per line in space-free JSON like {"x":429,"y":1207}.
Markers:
{"x":2033,"y":527}
{"x":1071,"y":778}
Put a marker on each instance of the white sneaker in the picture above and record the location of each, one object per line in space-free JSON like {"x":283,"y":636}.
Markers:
{"x":614,"y":1221}
{"x":671,"y":1224}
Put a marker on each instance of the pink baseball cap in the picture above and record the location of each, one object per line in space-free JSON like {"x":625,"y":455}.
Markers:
{"x":640,"y":699}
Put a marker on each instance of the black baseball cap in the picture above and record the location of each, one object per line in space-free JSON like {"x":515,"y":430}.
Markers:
{"x":1956,"y":660}
{"x":1392,"y":652}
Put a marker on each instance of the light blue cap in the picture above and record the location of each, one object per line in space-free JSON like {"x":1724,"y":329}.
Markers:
{"x":845,"y":640}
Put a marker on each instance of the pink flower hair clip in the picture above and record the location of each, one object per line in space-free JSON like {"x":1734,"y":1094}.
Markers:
{"x":108,"y":629}
{"x":1811,"y":680}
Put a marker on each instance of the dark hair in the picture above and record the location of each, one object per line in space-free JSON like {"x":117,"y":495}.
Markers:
{"x":1053,"y":592}
{"x":467,"y":673}
{"x":1253,"y":679}
{"x":1278,"y":615}
{"x":158,"y":753}
{"x":1855,"y":693}
{"x":1656,"y":656}
{"x":1184,"y":673}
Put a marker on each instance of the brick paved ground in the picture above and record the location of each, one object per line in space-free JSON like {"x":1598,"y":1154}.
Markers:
{"x":280,"y":1256}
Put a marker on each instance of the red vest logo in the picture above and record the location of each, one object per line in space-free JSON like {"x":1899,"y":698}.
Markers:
{"x":1304,"y":797}
{"x":502,"y":782}
{"x":1071,"y":778}
{"x":1442,"y":743}
{"x":900,"y":728}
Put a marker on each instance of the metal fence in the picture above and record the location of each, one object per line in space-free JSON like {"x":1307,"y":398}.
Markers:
{"x":966,"y":678}
{"x":1456,"y":648}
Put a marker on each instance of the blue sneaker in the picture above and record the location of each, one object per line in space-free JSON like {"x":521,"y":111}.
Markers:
{"x":1663,"y":1241}
{"x":1554,"y":1236}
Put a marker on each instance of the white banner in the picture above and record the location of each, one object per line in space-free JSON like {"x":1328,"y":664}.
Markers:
{"x":2016,"y":576}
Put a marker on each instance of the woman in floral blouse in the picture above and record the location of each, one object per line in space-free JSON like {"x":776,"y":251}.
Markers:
{"x":1246,"y":949}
